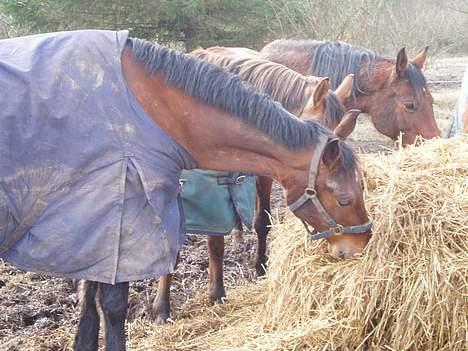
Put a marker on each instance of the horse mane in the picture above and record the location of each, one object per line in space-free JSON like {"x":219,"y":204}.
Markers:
{"x":336,"y":59}
{"x":281,"y":83}
{"x":212,"y":85}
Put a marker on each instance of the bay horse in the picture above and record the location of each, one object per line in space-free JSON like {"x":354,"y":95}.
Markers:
{"x":307,"y":97}
{"x":393,"y":92}
{"x":168,"y":111}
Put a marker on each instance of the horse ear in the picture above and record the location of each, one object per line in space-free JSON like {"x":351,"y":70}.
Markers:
{"x":345,"y":88}
{"x":420,"y":58}
{"x":321,"y":91}
{"x":347,"y":124}
{"x":401,"y":63}
{"x":331,"y":153}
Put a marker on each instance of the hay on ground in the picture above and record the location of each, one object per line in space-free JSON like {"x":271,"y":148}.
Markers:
{"x":407,"y":291}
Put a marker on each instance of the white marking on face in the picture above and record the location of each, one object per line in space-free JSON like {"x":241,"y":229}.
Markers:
{"x":333,"y":184}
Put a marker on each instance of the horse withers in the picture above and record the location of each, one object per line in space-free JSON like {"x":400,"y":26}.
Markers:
{"x":95,"y":195}
{"x":393,"y":92}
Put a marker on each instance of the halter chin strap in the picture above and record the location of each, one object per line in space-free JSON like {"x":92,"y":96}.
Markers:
{"x":310,"y":194}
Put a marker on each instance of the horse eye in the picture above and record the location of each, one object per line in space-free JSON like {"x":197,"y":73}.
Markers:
{"x":342,"y":203}
{"x":410,"y":106}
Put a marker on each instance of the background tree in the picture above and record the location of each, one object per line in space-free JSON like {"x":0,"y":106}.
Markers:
{"x":189,"y":23}
{"x":383,"y":25}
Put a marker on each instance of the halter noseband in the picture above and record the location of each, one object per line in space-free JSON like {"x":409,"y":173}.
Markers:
{"x":310,"y":194}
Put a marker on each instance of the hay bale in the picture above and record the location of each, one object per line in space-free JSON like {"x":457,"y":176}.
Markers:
{"x":407,"y":291}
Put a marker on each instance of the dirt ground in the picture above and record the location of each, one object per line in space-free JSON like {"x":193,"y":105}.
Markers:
{"x":37,"y":310}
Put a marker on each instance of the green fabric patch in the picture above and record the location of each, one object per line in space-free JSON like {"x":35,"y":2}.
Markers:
{"x":216,"y":202}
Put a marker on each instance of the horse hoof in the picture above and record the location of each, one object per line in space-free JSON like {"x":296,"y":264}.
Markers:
{"x":217,"y":296}
{"x":162,"y":320}
{"x":161,"y":316}
{"x":217,"y":300}
{"x":260,"y":270}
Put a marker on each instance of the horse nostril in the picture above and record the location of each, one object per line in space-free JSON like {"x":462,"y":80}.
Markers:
{"x":341,"y":254}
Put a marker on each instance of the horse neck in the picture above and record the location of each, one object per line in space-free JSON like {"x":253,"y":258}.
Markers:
{"x":215,"y":139}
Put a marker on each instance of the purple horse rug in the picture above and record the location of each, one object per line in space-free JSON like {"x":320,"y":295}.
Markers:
{"x":88,"y":182}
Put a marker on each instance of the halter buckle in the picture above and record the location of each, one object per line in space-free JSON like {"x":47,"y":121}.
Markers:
{"x":310,"y":192}
{"x":337,"y":230}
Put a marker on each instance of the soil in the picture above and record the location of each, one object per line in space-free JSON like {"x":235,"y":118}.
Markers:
{"x":38,"y":310}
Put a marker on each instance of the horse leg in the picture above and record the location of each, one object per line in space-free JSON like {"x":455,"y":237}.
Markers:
{"x":237,"y":234}
{"x":113,"y":300}
{"x":216,"y":290}
{"x":86,"y":338}
{"x":161,"y":309}
{"x":262,"y":222}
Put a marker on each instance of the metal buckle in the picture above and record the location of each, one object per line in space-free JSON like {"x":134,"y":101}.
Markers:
{"x":239,"y":180}
{"x":310,"y":192}
{"x":337,"y":230}
{"x":182,"y":181}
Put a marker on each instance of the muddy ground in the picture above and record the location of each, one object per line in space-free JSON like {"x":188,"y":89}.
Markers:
{"x":40,"y":313}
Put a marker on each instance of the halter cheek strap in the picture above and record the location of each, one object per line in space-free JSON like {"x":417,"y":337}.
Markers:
{"x":310,"y":194}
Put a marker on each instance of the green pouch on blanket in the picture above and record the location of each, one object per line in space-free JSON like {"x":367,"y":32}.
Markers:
{"x":216,"y":202}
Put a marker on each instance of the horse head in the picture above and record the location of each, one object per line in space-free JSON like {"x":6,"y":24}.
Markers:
{"x":404,"y":103}
{"x":333,"y":200}
{"x":327,"y":105}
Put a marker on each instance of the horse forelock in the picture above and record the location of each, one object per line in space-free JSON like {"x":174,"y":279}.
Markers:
{"x":334,"y":111}
{"x":348,"y":164}
{"x":213,"y":85}
{"x":417,"y":80}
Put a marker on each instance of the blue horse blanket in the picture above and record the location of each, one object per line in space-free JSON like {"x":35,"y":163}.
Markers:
{"x":88,"y":182}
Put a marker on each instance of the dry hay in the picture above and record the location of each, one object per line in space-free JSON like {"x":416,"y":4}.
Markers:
{"x":408,"y":291}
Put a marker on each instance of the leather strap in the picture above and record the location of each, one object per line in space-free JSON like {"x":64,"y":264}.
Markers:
{"x":231,"y":180}
{"x":339,"y":230}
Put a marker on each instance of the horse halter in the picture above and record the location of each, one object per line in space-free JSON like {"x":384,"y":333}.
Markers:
{"x":310,"y":194}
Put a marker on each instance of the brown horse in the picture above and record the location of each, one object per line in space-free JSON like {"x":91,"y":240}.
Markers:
{"x":393,"y":92}
{"x":306,"y":97}
{"x":226,"y":126}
